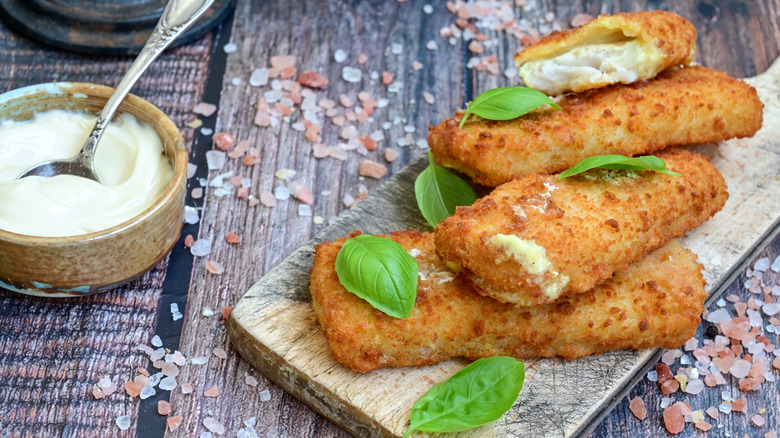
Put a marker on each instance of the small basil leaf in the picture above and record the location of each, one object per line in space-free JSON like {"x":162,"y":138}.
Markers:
{"x":618,"y":162}
{"x":379,"y":271}
{"x":438,"y":192}
{"x":476,"y":395}
{"x":506,"y":103}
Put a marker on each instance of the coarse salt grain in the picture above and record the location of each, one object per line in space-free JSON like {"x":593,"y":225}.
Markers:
{"x":251,"y":381}
{"x":215,"y":160}
{"x":201,"y":247}
{"x":191,"y":214}
{"x":673,"y":419}
{"x":123,"y":422}
{"x":372,"y":169}
{"x":168,"y":383}
{"x":212,"y":392}
{"x":156,"y":341}
{"x":638,"y":408}
{"x":351,"y":74}
{"x":214,"y":426}
{"x":340,"y":56}
{"x":204,"y":109}
{"x":265,"y":395}
{"x":220,"y":353}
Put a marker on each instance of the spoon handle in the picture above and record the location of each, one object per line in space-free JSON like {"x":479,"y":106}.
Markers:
{"x":176,"y":18}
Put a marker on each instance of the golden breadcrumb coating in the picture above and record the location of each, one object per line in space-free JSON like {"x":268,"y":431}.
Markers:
{"x":538,"y":238}
{"x":681,"y":106}
{"x":620,"y":48}
{"x":656,"y":302}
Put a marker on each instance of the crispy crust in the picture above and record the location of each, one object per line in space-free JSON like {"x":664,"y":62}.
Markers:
{"x":590,"y":226}
{"x":654,"y":303}
{"x":666,"y":34}
{"x":681,"y":106}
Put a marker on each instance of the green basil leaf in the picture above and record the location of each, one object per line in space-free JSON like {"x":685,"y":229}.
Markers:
{"x":618,"y":162}
{"x":381,"y":272}
{"x":438,"y":192}
{"x":476,"y":395}
{"x":506,"y":103}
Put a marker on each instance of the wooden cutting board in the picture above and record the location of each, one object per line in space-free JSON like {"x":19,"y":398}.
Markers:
{"x":274,"y":327}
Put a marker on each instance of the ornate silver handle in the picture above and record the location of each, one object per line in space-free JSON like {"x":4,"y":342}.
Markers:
{"x":176,"y":18}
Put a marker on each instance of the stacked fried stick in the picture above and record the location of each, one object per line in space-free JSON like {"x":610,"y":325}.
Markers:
{"x":550,"y":267}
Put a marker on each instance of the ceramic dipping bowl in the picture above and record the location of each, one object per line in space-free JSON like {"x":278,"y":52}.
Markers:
{"x":95,"y":262}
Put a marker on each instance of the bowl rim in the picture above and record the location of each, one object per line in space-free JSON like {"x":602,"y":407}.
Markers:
{"x":178,"y":175}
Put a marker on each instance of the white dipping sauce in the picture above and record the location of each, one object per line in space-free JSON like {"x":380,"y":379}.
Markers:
{"x":129,"y":162}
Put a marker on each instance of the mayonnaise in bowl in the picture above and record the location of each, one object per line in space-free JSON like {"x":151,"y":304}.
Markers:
{"x":130,"y":163}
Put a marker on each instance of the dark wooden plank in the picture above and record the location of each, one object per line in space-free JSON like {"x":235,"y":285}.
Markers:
{"x":53,"y":351}
{"x":262,"y":30}
{"x":478,"y":81}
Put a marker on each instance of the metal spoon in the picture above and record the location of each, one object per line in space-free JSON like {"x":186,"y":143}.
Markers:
{"x":176,"y":18}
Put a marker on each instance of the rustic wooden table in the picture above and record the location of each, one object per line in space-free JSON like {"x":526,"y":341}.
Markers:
{"x":53,"y":352}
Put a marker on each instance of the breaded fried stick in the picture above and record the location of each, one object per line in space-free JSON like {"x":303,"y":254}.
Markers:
{"x":681,"y":106}
{"x":620,"y":48}
{"x":536,"y":239}
{"x":654,"y":303}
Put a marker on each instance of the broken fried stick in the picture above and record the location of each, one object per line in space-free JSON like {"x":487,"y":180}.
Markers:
{"x":656,"y":302}
{"x":620,"y":48}
{"x":538,"y":238}
{"x":682,"y":106}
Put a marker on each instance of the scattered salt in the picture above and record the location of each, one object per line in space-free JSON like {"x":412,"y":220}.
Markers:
{"x":718,"y":316}
{"x":206,"y":131}
{"x":340,"y":56}
{"x":771,"y":309}
{"x":123,"y":422}
{"x":776,"y":264}
{"x":215,"y":159}
{"x":259,"y":77}
{"x":147,"y":392}
{"x":200,"y":360}
{"x":281,"y":193}
{"x":201,"y":247}
{"x":304,"y":210}
{"x":428,"y":9}
{"x":191,"y":215}
{"x":351,"y":74}
{"x":168,"y":383}
{"x":230,"y":48}
{"x":265,"y":395}
{"x":214,"y":426}
{"x":761,"y":264}
{"x":156,"y":341}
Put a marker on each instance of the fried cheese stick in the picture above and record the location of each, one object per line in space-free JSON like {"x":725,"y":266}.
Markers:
{"x":620,"y":48}
{"x":535,"y":239}
{"x":681,"y":106}
{"x":654,"y":303}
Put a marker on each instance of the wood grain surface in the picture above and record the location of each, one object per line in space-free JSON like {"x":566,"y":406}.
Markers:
{"x":52,"y":352}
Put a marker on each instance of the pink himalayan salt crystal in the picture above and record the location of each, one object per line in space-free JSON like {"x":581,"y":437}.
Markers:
{"x":312,"y":79}
{"x":303,"y":194}
{"x":701,"y":355}
{"x":174,"y":422}
{"x":673,"y":419}
{"x":163,"y":407}
{"x":283,"y":61}
{"x":668,"y":357}
{"x":580,"y":19}
{"x":212,"y":392}
{"x":391,"y":155}
{"x":268,"y":199}
{"x":776,"y":363}
{"x":738,"y":328}
{"x":372,"y":169}
{"x":204,"y":109}
{"x":703,"y":425}
{"x":770,"y":434}
{"x":638,"y":408}
{"x":220,"y":353}
{"x":713,"y":412}
{"x":685,"y":408}
{"x":739,"y":405}
{"x":664,"y":373}
{"x":758,"y":420}
{"x":251,"y":381}
{"x":694,"y":387}
{"x":724,"y":364}
{"x":187,"y":388}
{"x":670,"y":387}
{"x":741,"y":308}
{"x":749,"y":384}
{"x":170,"y":369}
